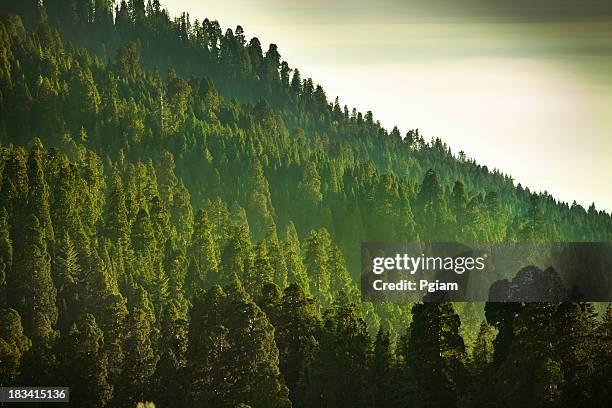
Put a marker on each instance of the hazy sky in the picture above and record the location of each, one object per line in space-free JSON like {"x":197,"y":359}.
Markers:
{"x":524,"y":86}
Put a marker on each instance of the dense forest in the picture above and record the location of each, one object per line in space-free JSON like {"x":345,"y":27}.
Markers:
{"x":181,"y":216}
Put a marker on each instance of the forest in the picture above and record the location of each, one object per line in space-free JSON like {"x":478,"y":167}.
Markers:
{"x":181,"y":215}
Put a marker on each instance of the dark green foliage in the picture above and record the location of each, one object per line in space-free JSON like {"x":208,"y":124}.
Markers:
{"x":140,"y":357}
{"x":232,"y":355}
{"x":338,"y":375}
{"x":436,"y":354}
{"x":84,"y":365}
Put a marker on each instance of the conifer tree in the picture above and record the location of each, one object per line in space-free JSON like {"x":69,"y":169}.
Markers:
{"x":263,"y":272}
{"x":38,"y":191}
{"x":316,"y":260}
{"x":108,"y":306}
{"x":339,"y":373}
{"x":143,"y":235}
{"x":340,"y":280}
{"x":13,"y":345}
{"x":382,"y":370}
{"x":237,"y":256}
{"x":237,"y":342}
{"x":204,"y":255}
{"x":30,"y":288}
{"x":482,"y":352}
{"x":297,"y":328}
{"x":85,"y":365}
{"x":435,"y":354}
{"x":459,"y":202}
{"x":168,"y":381}
{"x":140,"y":357}
{"x":530,"y":374}
{"x":6,"y":255}
{"x":116,"y":218}
{"x":431,"y":208}
{"x":276,"y":255}
{"x":296,"y":271}
{"x":69,"y":282}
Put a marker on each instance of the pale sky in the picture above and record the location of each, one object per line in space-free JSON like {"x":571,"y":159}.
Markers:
{"x":524,"y":86}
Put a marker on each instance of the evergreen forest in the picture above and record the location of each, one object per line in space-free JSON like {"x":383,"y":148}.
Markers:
{"x":181,"y":215}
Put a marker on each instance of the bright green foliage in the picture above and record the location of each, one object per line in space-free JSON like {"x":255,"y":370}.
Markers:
{"x":205,"y":258}
{"x":276,"y":254}
{"x":13,"y":345}
{"x":316,"y":260}
{"x":296,"y":271}
{"x":237,"y":256}
{"x":143,"y":235}
{"x":482,"y":351}
{"x":116,"y":217}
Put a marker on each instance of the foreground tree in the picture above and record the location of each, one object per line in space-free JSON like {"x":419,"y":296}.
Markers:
{"x":231,"y":338}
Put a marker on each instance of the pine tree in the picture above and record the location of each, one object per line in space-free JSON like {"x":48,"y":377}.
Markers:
{"x":104,"y":301}
{"x":316,"y":260}
{"x":339,"y":373}
{"x":382,"y":370}
{"x":575,"y":336}
{"x":297,"y":328}
{"x":85,"y":365}
{"x":482,"y":352}
{"x":435,"y":354}
{"x":13,"y":345}
{"x":276,"y":255}
{"x":38,"y":192}
{"x":140,"y":357}
{"x":204,"y":255}
{"x":530,"y":374}
{"x":296,"y":271}
{"x":160,"y":218}
{"x":168,"y":380}
{"x":259,"y":206}
{"x":237,"y":342}
{"x":30,"y":289}
{"x":69,"y":282}
{"x":263,"y":272}
{"x":143,"y":235}
{"x":340,"y":280}
{"x":116,"y":218}
{"x":6,"y":255}
{"x":236,"y":257}
{"x":459,"y":203}
{"x":431,"y":209}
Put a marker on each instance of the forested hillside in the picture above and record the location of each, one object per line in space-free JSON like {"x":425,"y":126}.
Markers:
{"x":181,"y":217}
